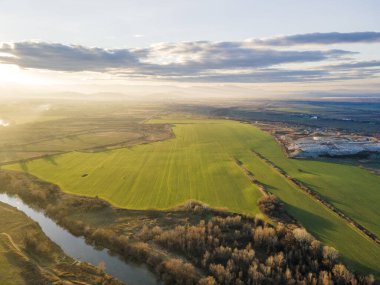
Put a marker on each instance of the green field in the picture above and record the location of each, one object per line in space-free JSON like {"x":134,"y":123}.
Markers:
{"x":199,"y":164}
{"x":349,"y":188}
{"x":195,"y":165}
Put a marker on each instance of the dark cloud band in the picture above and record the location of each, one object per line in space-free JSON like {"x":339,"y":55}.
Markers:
{"x":321,"y":38}
{"x":246,"y":61}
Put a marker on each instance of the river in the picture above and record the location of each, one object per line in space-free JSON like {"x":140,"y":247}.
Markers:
{"x":76,"y":247}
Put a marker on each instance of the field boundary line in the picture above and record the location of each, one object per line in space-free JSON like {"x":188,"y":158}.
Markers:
{"x":252,"y":178}
{"x":318,"y":198}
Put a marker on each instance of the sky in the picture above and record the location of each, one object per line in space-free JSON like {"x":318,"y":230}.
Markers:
{"x":96,"y":46}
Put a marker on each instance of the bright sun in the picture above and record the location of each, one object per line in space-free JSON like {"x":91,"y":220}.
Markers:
{"x":11,"y":73}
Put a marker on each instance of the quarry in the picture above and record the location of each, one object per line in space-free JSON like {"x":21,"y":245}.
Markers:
{"x":327,"y":145}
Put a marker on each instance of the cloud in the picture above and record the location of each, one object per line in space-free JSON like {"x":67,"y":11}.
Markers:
{"x":261,"y":76}
{"x":320,"y":39}
{"x":53,"y":56}
{"x":207,"y":55}
{"x":195,"y":61}
{"x":359,"y":64}
{"x":276,"y":75}
{"x":178,"y":58}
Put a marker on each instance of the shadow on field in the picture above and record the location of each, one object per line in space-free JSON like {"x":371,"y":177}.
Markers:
{"x":317,"y":226}
{"x":50,"y":159}
{"x":270,"y":188}
{"x":24,"y":166}
{"x":313,"y":222}
{"x":319,"y":191}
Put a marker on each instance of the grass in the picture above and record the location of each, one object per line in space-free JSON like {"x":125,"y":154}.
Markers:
{"x":10,"y":268}
{"x":46,"y":127}
{"x":14,"y":226}
{"x":28,"y":256}
{"x":351,"y":189}
{"x":199,"y":164}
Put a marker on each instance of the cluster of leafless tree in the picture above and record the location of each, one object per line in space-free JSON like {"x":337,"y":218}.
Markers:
{"x":238,"y":250}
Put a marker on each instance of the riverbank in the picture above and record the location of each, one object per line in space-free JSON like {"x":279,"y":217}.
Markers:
{"x":80,"y":251}
{"x":102,"y":225}
{"x":28,"y":256}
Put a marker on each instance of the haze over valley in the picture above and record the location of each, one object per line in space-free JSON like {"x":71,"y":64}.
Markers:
{"x":189,"y":142}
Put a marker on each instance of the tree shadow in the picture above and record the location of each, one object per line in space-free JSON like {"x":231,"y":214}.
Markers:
{"x":24,"y":166}
{"x":307,"y":172}
{"x":319,"y":191}
{"x":313,"y":222}
{"x":321,"y":227}
{"x":50,"y":159}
